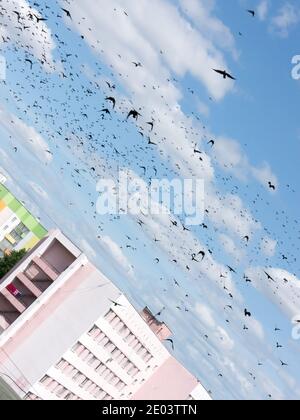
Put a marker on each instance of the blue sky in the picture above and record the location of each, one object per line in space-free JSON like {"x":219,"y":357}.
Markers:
{"x":254,"y":122}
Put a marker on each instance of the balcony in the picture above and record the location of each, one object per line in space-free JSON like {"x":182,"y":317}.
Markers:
{"x":33,"y":279}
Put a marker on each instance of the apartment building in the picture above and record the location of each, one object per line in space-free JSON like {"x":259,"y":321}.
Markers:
{"x":70,"y":334}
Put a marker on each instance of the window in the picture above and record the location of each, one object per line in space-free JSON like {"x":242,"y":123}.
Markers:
{"x":85,"y":381}
{"x":19,"y":232}
{"x":4,"y":245}
{"x":92,"y":360}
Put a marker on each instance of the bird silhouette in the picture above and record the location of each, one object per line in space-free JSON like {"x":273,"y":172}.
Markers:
{"x":247,"y":313}
{"x":112,"y":100}
{"x":251,"y":12}
{"x":67,"y":12}
{"x":172,"y":343}
{"x":134,"y":114}
{"x":225,"y":74}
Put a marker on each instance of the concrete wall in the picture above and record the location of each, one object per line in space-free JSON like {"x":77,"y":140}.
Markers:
{"x":170,"y":382}
{"x":58,"y":257}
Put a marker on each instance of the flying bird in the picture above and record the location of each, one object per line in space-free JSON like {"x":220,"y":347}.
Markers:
{"x":151,"y":123}
{"x":115,"y":303}
{"x":251,"y":12}
{"x":112,"y":87}
{"x":134,"y":114}
{"x":172,"y":342}
{"x":202,"y":253}
{"x":231,"y":269}
{"x":272,"y":186}
{"x":27,"y":60}
{"x":269,"y":277}
{"x":67,"y":12}
{"x":105,"y":110}
{"x":18,"y":15}
{"x":247,"y":313}
{"x":225,"y":74}
{"x":40,"y":19}
{"x":112,"y":100}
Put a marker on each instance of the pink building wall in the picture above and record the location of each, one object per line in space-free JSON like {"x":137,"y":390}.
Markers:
{"x":170,"y":382}
{"x":160,"y":329}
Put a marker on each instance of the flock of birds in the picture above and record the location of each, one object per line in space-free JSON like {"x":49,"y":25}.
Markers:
{"x":97,"y":137}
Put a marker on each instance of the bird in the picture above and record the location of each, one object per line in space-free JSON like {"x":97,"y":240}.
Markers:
{"x":232,"y":270}
{"x":225,"y":74}
{"x":27,"y":60}
{"x":40,"y":19}
{"x":67,"y":12}
{"x":160,"y":312}
{"x":151,"y":123}
{"x":137,"y":64}
{"x":211,"y":142}
{"x":172,"y":342}
{"x":112,"y":87}
{"x":194,"y":258}
{"x":112,"y":100}
{"x":247,"y":313}
{"x":105,"y":110}
{"x":272,"y":186}
{"x":283,"y":364}
{"x":269,"y":277}
{"x":202,"y":253}
{"x":115,"y":303}
{"x":18,"y":15}
{"x":134,"y":114}
{"x":151,"y":143}
{"x":251,"y":12}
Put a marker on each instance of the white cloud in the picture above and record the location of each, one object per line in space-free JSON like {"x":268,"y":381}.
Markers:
{"x":231,"y":248}
{"x":39,"y":190}
{"x":268,"y":246}
{"x":206,"y":315}
{"x":263,"y":9}
{"x":37,"y":37}
{"x":203,"y":109}
{"x":284,"y":291}
{"x":287,"y":17}
{"x":228,"y":212}
{"x":202,"y":14}
{"x":88,"y":249}
{"x":232,"y":158}
{"x":118,"y":255}
{"x":24,"y":136}
{"x":185,"y":49}
{"x":264,"y":175}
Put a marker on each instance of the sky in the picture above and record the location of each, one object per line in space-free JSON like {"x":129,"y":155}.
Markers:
{"x":56,"y":144}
